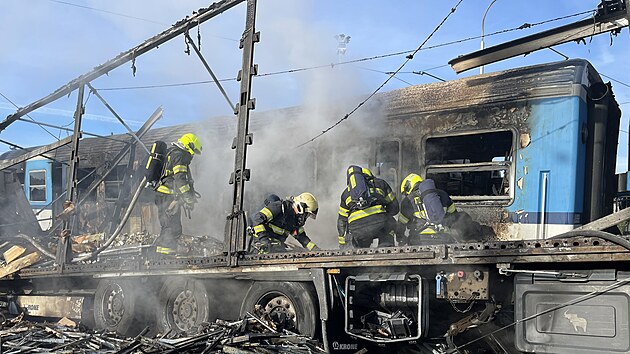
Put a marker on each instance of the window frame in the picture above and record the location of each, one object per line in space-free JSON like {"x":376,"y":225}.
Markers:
{"x":30,"y":185}
{"x":508,"y":166}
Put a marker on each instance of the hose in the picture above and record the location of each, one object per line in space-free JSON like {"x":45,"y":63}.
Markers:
{"x":36,"y":244}
{"x":594,"y":233}
{"x":120,"y":226}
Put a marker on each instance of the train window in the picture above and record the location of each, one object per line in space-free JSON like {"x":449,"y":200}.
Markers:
{"x":388,"y":162}
{"x":472,"y":167}
{"x":113,"y":182}
{"x":37,"y":186}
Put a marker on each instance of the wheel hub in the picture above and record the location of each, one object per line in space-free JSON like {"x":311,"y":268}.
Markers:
{"x":114,"y":305}
{"x":281,"y":311}
{"x":185,"y":310}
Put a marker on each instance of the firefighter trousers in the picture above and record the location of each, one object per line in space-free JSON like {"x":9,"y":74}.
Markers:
{"x":362,"y":236}
{"x":170,"y":222}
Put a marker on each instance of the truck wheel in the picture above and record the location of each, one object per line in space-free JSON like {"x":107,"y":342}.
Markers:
{"x":291,"y":305}
{"x":115,"y":307}
{"x":183,"y":305}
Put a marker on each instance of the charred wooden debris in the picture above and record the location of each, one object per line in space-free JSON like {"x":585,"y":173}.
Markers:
{"x":250,"y":335}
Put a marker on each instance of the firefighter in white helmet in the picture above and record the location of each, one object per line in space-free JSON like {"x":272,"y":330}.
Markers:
{"x":280,"y":218}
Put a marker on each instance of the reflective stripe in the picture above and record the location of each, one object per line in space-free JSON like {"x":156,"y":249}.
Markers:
{"x":343,"y":212}
{"x":390,"y":197}
{"x":353,"y":181}
{"x":164,"y":250}
{"x":342,"y":240}
{"x":179,"y":169}
{"x":360,"y":214}
{"x":309,"y":246}
{"x":267,"y":213}
{"x":164,"y":189}
{"x":402,"y":219}
{"x":451,"y":208}
{"x":259,"y":228}
{"x":151,"y":156}
{"x":348,"y":200}
{"x":420,"y":214}
{"x":428,"y":231}
{"x":278,"y":230}
{"x":185,"y":188}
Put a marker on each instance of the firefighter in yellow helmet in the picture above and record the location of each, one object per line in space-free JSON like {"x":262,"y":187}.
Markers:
{"x":176,"y":191}
{"x":366,"y":211}
{"x":425,"y":211}
{"x":280,"y":218}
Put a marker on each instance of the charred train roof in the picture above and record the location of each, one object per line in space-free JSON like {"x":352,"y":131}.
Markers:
{"x":545,"y":80}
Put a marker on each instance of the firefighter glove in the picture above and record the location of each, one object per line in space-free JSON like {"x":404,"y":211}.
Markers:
{"x":172,"y":208}
{"x":262,"y":245}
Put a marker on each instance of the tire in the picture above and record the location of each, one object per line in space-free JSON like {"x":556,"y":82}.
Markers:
{"x":116,"y":307}
{"x":183,"y":305}
{"x":291,"y":303}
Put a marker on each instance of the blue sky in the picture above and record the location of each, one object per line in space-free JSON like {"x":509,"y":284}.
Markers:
{"x":46,"y":43}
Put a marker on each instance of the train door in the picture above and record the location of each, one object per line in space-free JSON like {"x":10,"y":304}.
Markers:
{"x":38,"y":189}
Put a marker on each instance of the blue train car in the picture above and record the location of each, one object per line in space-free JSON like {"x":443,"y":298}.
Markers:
{"x":530,"y":152}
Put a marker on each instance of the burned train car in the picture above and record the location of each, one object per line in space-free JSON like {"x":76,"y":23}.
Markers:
{"x":530,"y":152}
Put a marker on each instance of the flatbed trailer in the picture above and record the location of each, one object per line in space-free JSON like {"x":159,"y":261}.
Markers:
{"x":510,"y":275}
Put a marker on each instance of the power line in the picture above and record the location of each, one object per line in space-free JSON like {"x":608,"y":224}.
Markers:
{"x":375,"y":57}
{"x":617,"y":81}
{"x":386,"y":73}
{"x":108,"y":12}
{"x":407,"y":60}
{"x":29,"y":117}
{"x":124,"y":15}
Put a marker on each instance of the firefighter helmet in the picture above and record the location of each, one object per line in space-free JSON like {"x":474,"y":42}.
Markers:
{"x":306,"y":203}
{"x":191,"y":143}
{"x":409,"y":183}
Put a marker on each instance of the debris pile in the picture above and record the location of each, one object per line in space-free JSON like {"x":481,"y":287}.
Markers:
{"x":250,"y":335}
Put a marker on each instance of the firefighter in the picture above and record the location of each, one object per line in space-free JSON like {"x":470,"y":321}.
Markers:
{"x":176,"y":191}
{"x":366,"y":212}
{"x":425,"y":211}
{"x":280,"y":218}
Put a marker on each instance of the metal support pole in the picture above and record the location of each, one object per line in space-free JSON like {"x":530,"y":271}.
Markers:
{"x":214,"y":77}
{"x":235,"y":238}
{"x":93,"y":90}
{"x":64,"y":249}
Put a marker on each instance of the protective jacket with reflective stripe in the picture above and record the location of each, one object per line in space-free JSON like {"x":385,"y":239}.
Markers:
{"x":386,"y":206}
{"x":413,"y":217}
{"x":176,"y":178}
{"x":278,"y":220}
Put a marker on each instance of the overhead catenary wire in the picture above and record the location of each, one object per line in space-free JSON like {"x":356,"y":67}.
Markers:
{"x":353,"y":61}
{"x":29,"y":117}
{"x":407,"y":60}
{"x":386,"y":73}
{"x":125,"y":15}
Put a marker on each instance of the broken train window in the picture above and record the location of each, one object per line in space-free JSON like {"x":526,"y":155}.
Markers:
{"x":388,"y":162}
{"x":473,"y":167}
{"x":37,"y":186}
